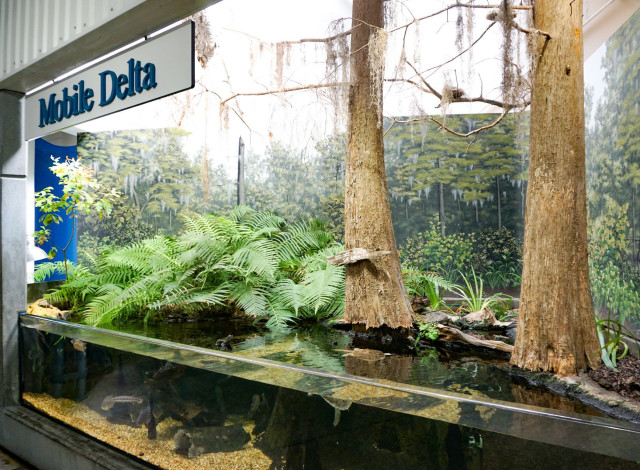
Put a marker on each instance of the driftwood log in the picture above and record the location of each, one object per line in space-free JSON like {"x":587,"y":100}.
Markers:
{"x":450,"y":333}
{"x":354,"y":255}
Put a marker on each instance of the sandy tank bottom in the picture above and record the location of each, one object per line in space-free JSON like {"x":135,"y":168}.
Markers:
{"x":134,"y":441}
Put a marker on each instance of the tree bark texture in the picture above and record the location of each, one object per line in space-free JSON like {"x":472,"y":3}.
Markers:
{"x":556,"y":329}
{"x":375,"y":292}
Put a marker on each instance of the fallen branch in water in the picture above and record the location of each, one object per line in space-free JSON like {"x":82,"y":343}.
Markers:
{"x":450,"y":333}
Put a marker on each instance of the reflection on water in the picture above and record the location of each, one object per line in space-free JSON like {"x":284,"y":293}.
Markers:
{"x":333,"y":350}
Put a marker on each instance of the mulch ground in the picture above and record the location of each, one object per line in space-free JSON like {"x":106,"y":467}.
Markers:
{"x":626,"y":381}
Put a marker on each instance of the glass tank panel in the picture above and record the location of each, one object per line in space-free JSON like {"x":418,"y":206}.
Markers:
{"x":184,"y":407}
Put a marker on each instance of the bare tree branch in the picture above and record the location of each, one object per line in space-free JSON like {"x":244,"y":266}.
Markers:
{"x":474,"y":131}
{"x":283,"y":90}
{"x":460,"y":5}
{"x":531,"y":31}
{"x":462,"y":98}
{"x":442,"y":126}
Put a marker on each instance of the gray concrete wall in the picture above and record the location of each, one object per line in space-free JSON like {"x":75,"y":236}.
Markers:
{"x":13,"y":237}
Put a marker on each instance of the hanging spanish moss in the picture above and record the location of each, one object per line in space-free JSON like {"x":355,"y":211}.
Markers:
{"x":279,"y":64}
{"x":337,"y":71}
{"x":204,"y":45}
{"x":506,"y":16}
{"x":470,"y":20}
{"x":459,"y":31}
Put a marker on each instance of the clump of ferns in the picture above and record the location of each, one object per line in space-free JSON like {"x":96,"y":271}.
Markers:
{"x":249,"y":260}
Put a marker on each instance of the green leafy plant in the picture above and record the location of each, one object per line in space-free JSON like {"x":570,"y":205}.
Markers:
{"x":426,"y":284}
{"x":426,"y":330}
{"x":123,"y":226}
{"x":503,"y":308}
{"x":615,"y":281}
{"x":78,"y":194}
{"x":498,"y":258}
{"x":505,"y":273}
{"x":611,"y":335}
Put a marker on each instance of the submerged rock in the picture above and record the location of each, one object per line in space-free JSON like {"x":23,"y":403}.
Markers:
{"x":182,"y":442}
{"x":372,"y":355}
{"x":204,"y":440}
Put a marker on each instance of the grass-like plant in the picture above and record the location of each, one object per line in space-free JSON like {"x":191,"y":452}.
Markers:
{"x":472,"y":293}
{"x":611,"y":335}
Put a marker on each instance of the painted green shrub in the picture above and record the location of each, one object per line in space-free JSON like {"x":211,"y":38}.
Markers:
{"x":446,"y":255}
{"x":615,"y":281}
{"x":498,"y":258}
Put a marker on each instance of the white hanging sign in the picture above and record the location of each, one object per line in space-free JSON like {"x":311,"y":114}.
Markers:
{"x":156,"y":68}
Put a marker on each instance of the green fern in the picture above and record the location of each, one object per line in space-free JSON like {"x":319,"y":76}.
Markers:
{"x":322,"y":287}
{"x":251,"y":260}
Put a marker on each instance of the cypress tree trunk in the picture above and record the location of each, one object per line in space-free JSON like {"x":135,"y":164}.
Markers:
{"x":375,"y":292}
{"x":556,"y":330}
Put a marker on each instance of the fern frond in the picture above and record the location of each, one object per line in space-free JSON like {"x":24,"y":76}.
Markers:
{"x":251,"y":299}
{"x":184,"y":295}
{"x":279,"y":315}
{"x":291,"y":295}
{"x":261,"y":220}
{"x":258,"y":256}
{"x":45,"y":270}
{"x":239,"y":213}
{"x":323,"y":286}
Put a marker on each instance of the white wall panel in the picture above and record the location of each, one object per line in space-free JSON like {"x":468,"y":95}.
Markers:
{"x":31,"y":29}
{"x":43,"y":39}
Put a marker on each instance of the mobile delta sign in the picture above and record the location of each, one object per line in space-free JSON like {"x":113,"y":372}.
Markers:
{"x":156,"y":68}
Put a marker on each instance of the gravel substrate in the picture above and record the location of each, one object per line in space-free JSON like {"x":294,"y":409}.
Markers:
{"x":134,"y":441}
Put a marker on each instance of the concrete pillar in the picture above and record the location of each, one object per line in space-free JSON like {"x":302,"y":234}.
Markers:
{"x":13,"y":238}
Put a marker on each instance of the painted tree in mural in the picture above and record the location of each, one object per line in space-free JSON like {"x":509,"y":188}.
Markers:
{"x":288,"y":183}
{"x":434,"y":172}
{"x":149,"y":166}
{"x":556,"y":326}
{"x":613,"y":177}
{"x":498,"y":158}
